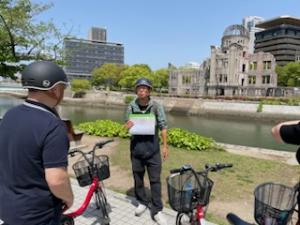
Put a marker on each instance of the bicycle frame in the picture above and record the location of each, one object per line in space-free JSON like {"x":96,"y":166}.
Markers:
{"x":200,"y":214}
{"x":197,"y":215}
{"x":93,"y":188}
{"x":95,"y":185}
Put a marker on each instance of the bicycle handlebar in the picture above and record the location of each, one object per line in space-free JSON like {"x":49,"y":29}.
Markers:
{"x":218,"y":166}
{"x":99,"y":144}
{"x":208,"y":167}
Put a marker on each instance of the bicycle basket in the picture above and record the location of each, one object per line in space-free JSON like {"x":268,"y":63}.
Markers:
{"x":184,"y":191}
{"x":83,"y":171}
{"x":274,"y":204}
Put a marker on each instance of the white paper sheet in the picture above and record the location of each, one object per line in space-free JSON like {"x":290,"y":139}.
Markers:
{"x":143,"y":124}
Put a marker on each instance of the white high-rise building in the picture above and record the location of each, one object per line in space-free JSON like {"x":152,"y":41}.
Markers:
{"x":250,"y":22}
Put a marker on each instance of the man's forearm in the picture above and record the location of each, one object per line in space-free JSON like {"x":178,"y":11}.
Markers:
{"x":59,"y":184}
{"x":276,"y":129}
{"x":164,"y":137}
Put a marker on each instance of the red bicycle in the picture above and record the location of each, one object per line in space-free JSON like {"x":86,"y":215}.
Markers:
{"x":91,"y":171}
{"x":189,"y":192}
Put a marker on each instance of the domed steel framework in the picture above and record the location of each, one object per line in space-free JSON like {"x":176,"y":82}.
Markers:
{"x":236,"y":30}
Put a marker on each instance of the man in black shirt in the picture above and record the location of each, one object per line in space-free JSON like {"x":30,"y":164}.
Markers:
{"x":289,"y":132}
{"x":34,"y":183}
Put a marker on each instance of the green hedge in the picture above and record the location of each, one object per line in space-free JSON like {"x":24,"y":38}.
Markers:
{"x":191,"y":141}
{"x":176,"y":137}
{"x":104,"y":128}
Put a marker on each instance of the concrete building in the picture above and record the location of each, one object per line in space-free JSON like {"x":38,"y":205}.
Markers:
{"x":250,"y":23}
{"x":97,"y":34}
{"x":82,"y":56}
{"x":235,"y":71}
{"x":281,"y":37}
{"x":189,"y":80}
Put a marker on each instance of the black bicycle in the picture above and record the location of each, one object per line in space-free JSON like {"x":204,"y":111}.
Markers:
{"x":274,"y":205}
{"x":189,"y":192}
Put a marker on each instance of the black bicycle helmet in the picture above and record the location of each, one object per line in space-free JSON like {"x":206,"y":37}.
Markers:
{"x":43,"y":75}
{"x":143,"y":82}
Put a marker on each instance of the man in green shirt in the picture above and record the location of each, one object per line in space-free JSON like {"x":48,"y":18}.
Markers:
{"x":145,"y":150}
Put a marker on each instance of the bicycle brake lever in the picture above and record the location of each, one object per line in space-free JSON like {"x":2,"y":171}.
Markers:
{"x":186,"y":167}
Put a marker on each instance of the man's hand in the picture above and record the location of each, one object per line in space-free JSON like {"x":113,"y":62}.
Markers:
{"x":129,"y":124}
{"x":165,"y":152}
{"x":67,"y":205}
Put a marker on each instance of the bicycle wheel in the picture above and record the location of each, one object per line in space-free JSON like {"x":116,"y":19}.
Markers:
{"x":183,"y":219}
{"x":65,"y":220}
{"x":101,"y":203}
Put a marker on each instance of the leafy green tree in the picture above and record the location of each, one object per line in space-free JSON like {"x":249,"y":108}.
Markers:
{"x":108,"y":74}
{"x":289,"y":75}
{"x":282,"y":77}
{"x":23,"y":38}
{"x":80,"y":85}
{"x":162,"y":76}
{"x":132,"y":73}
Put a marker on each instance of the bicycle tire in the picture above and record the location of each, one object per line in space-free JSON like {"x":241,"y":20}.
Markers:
{"x":179,"y":219}
{"x":65,"y":220}
{"x":101,"y":203}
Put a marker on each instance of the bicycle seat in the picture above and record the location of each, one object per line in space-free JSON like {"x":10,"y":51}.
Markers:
{"x":235,"y":220}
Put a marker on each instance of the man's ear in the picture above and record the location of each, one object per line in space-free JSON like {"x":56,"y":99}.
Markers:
{"x":54,"y":90}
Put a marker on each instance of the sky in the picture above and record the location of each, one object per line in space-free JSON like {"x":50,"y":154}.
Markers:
{"x":156,"y":32}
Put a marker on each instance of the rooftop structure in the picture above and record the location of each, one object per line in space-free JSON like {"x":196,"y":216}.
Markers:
{"x":281,"y":37}
{"x":277,"y":21}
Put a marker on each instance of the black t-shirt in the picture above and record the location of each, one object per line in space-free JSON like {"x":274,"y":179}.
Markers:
{"x":291,"y":135}
{"x":32,"y":138}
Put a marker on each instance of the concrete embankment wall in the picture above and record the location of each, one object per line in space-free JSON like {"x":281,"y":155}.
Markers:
{"x":262,"y":153}
{"x":189,"y":106}
{"x":197,"y":106}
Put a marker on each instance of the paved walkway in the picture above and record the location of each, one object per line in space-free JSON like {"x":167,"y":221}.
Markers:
{"x":122,"y":209}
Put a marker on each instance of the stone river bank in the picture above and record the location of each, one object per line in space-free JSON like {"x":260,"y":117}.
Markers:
{"x":201,"y":107}
{"x":187,"y":106}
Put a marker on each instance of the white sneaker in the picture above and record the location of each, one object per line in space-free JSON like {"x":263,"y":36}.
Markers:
{"x":140,"y":209}
{"x":160,"y":218}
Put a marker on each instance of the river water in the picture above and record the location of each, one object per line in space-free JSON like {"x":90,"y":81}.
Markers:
{"x":233,"y":131}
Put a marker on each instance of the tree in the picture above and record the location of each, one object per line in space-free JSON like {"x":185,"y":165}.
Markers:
{"x":79,"y":86}
{"x":23,"y":39}
{"x":289,"y":75}
{"x":108,"y":74}
{"x":132,"y":73}
{"x":162,"y":77}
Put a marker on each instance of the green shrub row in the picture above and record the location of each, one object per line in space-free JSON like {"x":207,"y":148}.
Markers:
{"x":191,"y":141}
{"x":176,"y":137}
{"x":104,"y":128}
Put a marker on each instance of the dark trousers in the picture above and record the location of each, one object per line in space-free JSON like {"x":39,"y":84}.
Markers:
{"x":153,"y":166}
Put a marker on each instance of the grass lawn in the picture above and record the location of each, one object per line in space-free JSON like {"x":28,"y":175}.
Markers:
{"x":236,"y":183}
